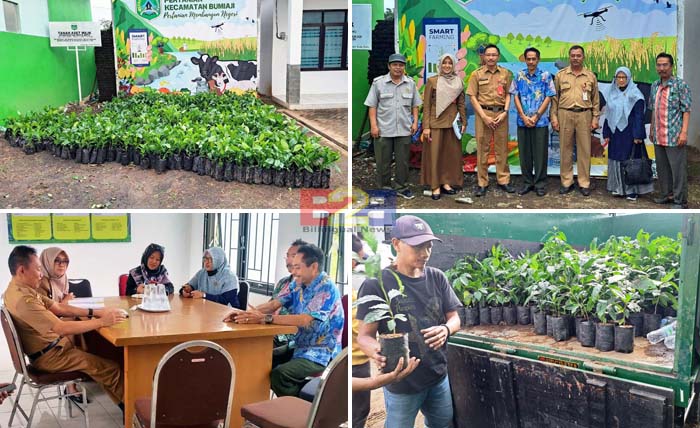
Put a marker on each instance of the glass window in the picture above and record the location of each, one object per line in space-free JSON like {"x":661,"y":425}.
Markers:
{"x":312,"y":17}
{"x":323,"y":40}
{"x":11,"y":11}
{"x":310,"y":42}
{"x":334,"y":17}
{"x":333,"y":47}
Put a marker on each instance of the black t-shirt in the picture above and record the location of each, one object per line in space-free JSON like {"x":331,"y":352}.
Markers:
{"x":425,"y":302}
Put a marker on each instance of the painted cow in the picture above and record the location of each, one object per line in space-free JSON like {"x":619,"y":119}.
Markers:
{"x":226,"y":75}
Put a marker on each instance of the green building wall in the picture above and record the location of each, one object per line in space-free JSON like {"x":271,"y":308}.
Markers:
{"x":360,"y":59}
{"x":34,"y":75}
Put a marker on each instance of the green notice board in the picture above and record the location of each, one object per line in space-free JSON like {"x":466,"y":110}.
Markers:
{"x":54,"y":228}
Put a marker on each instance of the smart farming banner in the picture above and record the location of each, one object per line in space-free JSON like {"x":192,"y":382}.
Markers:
{"x":613,"y":32}
{"x":186,"y":45}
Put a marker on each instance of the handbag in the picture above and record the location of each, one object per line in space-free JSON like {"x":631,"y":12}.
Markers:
{"x":637,"y":170}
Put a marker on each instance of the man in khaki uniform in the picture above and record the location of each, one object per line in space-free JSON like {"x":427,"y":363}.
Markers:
{"x":43,"y":333}
{"x":488,"y":89}
{"x":574,"y":114}
{"x":393,"y":102}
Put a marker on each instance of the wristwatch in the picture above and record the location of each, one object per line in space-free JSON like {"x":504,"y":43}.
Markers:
{"x":268,"y":319}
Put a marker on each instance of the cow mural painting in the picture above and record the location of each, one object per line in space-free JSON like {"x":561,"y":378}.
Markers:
{"x":613,"y":32}
{"x":186,"y":45}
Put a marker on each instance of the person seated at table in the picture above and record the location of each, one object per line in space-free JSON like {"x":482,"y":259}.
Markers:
{"x":215,"y":282}
{"x":283,"y":344}
{"x":54,"y":283}
{"x":315,"y":308}
{"x":43,"y":332}
{"x":150,"y":271}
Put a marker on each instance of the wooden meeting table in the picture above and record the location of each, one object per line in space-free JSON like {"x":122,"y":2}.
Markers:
{"x":146,"y":336}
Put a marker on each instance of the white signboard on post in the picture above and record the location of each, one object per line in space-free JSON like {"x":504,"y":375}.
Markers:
{"x":70,"y":34}
{"x":362,"y":27}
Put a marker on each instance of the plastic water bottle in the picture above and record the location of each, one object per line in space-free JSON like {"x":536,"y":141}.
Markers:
{"x":149,"y":297}
{"x":667,"y":320}
{"x":163,"y":298}
{"x":657,"y":336}
{"x":670,"y":342}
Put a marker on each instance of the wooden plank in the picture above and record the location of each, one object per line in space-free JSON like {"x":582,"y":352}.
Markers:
{"x":503,"y":397}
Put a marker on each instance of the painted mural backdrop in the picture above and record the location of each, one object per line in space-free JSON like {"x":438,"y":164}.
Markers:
{"x":186,"y":45}
{"x":613,"y":33}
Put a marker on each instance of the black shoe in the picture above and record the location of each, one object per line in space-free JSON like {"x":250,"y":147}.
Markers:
{"x":541,"y":192}
{"x":663,"y":201}
{"x":525,"y":190}
{"x":77,"y":399}
{"x":585,"y":191}
{"x":507,"y":188}
{"x":677,"y":206}
{"x":447,"y":192}
{"x":564,"y":190}
{"x":480,"y":191}
{"x":435,"y":196}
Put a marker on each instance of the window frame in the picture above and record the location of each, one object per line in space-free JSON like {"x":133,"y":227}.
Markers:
{"x":15,"y":3}
{"x":322,"y":40}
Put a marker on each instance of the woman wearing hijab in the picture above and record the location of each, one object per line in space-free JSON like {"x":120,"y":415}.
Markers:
{"x":441,"y":164}
{"x":623,"y":131}
{"x":54,"y":285}
{"x":54,"y":281}
{"x":150,"y":271}
{"x":215,"y":282}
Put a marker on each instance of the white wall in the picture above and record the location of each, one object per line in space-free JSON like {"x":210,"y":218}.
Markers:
{"x":102,"y":263}
{"x":280,"y":50}
{"x":325,"y":4}
{"x":324,"y":82}
{"x":33,"y":16}
{"x":266,"y":35}
{"x":690,"y":62}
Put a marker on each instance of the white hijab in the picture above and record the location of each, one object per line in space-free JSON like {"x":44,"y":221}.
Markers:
{"x":449,"y":86}
{"x":620,"y":103}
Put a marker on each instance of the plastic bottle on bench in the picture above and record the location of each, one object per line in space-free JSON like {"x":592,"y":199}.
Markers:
{"x":657,"y":336}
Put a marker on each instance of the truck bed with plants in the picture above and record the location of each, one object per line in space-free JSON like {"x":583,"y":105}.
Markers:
{"x":556,"y":310}
{"x":577,"y":303}
{"x":229,"y":137}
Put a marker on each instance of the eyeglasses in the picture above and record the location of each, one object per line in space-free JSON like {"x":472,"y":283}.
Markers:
{"x":61,"y":262}
{"x":621,"y":77}
{"x":206,"y":258}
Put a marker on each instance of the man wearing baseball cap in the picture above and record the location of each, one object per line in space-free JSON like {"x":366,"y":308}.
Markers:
{"x":430,"y":305}
{"x":393,"y":102}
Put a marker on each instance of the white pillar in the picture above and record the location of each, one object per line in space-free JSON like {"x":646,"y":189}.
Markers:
{"x":295,"y":11}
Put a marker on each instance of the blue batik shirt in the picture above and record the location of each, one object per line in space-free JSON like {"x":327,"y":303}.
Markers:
{"x":320,"y":341}
{"x":532,"y":89}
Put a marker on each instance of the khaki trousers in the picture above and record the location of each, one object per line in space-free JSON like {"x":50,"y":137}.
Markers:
{"x":484,"y":134}
{"x":576,"y":126}
{"x":68,"y":358}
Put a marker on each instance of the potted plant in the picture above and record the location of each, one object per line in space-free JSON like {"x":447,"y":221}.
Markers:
{"x":625,"y":302}
{"x":605,"y":331}
{"x":394,"y":346}
{"x":469,"y":287}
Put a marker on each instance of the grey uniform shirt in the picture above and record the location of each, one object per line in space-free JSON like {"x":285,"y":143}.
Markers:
{"x":394,"y":104}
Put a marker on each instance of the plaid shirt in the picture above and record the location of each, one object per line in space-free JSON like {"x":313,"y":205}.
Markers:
{"x":668,"y":102}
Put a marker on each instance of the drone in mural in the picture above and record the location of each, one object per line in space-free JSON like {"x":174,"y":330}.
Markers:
{"x":668,"y":4}
{"x":597,"y":16}
{"x":218,"y":27}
